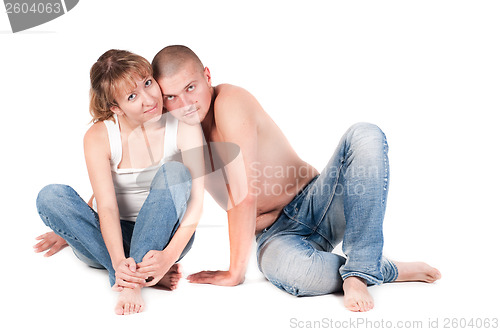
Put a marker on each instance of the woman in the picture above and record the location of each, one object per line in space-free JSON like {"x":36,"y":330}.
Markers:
{"x":146,"y":205}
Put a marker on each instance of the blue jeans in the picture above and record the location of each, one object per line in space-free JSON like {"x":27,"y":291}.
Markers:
{"x":67,"y":214}
{"x":346,"y":202}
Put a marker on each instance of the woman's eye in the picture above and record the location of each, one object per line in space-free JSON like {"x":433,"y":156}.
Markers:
{"x":148,"y":82}
{"x":132,"y":97}
{"x":169,"y":98}
{"x":190,"y":88}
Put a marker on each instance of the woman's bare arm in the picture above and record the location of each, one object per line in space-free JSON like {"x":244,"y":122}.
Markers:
{"x":97,"y":157}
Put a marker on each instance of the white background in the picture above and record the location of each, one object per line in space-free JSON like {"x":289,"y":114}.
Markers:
{"x":426,"y":72}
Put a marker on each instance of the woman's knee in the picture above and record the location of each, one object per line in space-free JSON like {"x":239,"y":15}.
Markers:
{"x":51,"y":194}
{"x":50,"y":199}
{"x":173,"y":182}
{"x":171,"y":174}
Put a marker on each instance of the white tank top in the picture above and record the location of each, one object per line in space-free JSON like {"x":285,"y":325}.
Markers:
{"x":132,"y":184}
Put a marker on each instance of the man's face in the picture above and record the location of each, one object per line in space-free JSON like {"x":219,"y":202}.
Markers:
{"x":187,"y":95}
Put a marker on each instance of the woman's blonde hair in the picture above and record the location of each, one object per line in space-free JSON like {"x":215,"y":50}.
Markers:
{"x":114,"y":71}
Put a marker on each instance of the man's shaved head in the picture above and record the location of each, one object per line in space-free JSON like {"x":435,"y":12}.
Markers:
{"x":172,"y":58}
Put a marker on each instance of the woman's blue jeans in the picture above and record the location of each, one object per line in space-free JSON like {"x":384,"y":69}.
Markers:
{"x":67,"y":214}
{"x":346,"y":202}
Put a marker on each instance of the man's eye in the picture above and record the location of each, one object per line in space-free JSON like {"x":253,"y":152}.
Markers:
{"x":132,"y":97}
{"x":169,"y":98}
{"x":190,"y":88}
{"x":148,"y":83}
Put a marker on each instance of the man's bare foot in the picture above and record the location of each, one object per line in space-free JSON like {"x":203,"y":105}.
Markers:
{"x":171,"y":279}
{"x":130,"y":302}
{"x":417,"y":271}
{"x":356,"y":296}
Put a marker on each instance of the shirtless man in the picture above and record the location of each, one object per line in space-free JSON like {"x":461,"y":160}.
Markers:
{"x":297,"y":214}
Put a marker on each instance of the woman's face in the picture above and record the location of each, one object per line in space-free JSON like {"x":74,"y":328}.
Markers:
{"x":140,"y":104}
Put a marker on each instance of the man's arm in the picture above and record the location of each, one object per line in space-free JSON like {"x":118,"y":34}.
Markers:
{"x":236,"y":121}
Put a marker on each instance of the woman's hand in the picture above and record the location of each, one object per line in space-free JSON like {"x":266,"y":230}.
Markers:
{"x":50,"y":241}
{"x":155,"y":265}
{"x":127,"y":276}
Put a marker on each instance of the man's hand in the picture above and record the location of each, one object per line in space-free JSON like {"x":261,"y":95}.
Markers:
{"x":220,"y":278}
{"x":155,"y":265}
{"x":50,"y":241}
{"x":126,"y":275}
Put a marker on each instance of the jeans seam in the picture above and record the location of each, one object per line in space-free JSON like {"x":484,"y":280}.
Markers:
{"x":386,"y":168}
{"x":396,"y":271}
{"x":55,"y":229}
{"x":300,"y":222}
{"x":95,"y":214}
{"x":296,"y":290}
{"x":361,"y":275}
{"x":330,"y":200}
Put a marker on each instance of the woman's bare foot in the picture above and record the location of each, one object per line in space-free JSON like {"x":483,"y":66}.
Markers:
{"x":417,"y":271}
{"x":356,"y":296}
{"x":171,"y":278}
{"x":130,"y":302}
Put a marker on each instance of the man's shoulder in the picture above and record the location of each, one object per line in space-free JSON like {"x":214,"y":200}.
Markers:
{"x":234,"y":109}
{"x":231,"y":94}
{"x":232,"y":100}
{"x":225,"y":88}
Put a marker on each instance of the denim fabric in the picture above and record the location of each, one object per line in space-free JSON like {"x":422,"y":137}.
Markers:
{"x":346,"y":202}
{"x":67,"y":214}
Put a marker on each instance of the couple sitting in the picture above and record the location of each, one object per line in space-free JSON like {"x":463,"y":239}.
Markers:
{"x":158,"y":130}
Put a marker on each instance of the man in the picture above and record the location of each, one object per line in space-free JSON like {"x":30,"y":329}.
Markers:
{"x":297,"y":214}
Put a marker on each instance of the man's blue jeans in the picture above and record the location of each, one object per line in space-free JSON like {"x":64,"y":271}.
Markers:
{"x":346,"y":202}
{"x":67,"y":214}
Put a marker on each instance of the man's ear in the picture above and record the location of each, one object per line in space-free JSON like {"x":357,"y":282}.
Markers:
{"x":207,"y":75}
{"x":117,"y":110}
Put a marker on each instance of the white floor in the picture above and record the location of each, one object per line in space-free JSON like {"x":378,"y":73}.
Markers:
{"x":60,"y":293}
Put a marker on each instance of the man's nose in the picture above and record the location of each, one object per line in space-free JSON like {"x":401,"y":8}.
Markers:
{"x":184,"y":101}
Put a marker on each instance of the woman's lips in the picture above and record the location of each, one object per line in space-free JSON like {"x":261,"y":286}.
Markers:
{"x":152,"y":109}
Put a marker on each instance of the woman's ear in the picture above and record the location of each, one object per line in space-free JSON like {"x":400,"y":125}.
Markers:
{"x":117,"y":110}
